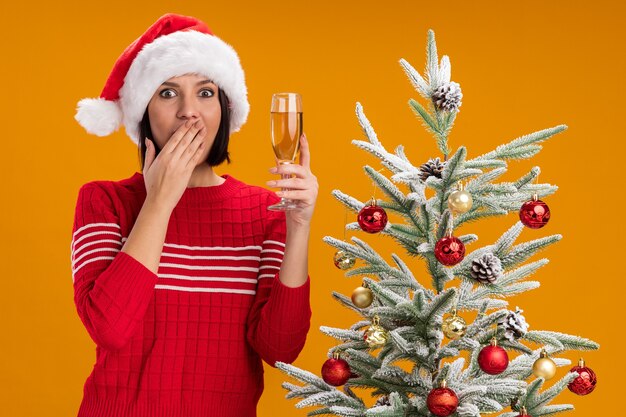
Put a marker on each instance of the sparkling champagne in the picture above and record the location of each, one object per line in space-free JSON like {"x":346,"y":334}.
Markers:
{"x":286,"y":127}
{"x":286,"y":132}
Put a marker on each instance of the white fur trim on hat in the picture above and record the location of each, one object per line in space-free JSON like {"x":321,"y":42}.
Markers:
{"x":98,"y":116}
{"x":179,"y":53}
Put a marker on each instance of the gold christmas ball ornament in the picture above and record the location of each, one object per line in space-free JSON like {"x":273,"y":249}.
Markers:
{"x":362,"y":297}
{"x":460,"y":202}
{"x":454,"y":327}
{"x":344,"y":260}
{"x":544,"y":367}
{"x":376,"y":336}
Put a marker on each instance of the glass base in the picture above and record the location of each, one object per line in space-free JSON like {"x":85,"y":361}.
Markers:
{"x":284,"y":205}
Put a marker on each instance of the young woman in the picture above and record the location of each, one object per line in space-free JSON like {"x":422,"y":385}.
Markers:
{"x":183,"y":279}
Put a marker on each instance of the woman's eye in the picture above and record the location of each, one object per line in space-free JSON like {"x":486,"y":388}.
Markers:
{"x":167,"y":93}
{"x":207,"y":93}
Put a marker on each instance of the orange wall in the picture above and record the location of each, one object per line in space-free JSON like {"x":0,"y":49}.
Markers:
{"x":523,"y":66}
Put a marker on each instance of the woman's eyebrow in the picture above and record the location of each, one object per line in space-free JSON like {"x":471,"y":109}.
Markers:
{"x":171,"y":84}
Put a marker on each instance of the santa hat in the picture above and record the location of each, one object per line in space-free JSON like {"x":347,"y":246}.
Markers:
{"x":174,"y":45}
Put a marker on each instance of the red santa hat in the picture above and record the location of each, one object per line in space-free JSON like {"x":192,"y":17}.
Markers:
{"x":174,"y":45}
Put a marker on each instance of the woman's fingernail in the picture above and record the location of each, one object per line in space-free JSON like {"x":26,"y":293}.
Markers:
{"x":274,"y":169}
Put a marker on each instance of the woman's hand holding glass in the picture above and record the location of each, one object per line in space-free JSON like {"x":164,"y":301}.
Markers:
{"x":167,"y":175}
{"x":303,"y":187}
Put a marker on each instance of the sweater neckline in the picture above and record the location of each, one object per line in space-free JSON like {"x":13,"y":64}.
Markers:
{"x":203,"y":193}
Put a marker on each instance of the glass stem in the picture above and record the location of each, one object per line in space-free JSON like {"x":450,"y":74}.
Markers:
{"x":285,"y":177}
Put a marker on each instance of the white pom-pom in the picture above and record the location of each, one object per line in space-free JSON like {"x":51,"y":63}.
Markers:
{"x":98,"y":116}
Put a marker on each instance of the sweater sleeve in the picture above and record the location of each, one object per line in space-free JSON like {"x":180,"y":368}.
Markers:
{"x":112,"y":289}
{"x":280,"y":316}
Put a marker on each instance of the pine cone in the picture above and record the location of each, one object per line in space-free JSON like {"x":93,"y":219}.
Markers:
{"x":384,"y":400}
{"x":448,"y":97}
{"x":433,"y":168}
{"x":514,"y":325}
{"x":487,"y":268}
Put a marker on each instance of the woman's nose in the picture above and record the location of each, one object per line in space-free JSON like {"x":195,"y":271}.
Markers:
{"x":188,"y":108}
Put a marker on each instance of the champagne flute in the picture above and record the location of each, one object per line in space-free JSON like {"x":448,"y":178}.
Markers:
{"x":286,"y":121}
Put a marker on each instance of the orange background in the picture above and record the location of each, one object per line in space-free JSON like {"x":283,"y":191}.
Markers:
{"x":522,"y":66}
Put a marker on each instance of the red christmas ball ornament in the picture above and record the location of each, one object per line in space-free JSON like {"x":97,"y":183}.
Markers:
{"x":493,"y":359}
{"x":372,"y":218}
{"x":449,"y":250}
{"x":442,"y":401}
{"x":336,"y":371}
{"x":585,"y":383}
{"x":534,"y":213}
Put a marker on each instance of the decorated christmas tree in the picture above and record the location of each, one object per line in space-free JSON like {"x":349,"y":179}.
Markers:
{"x":413,"y":350}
